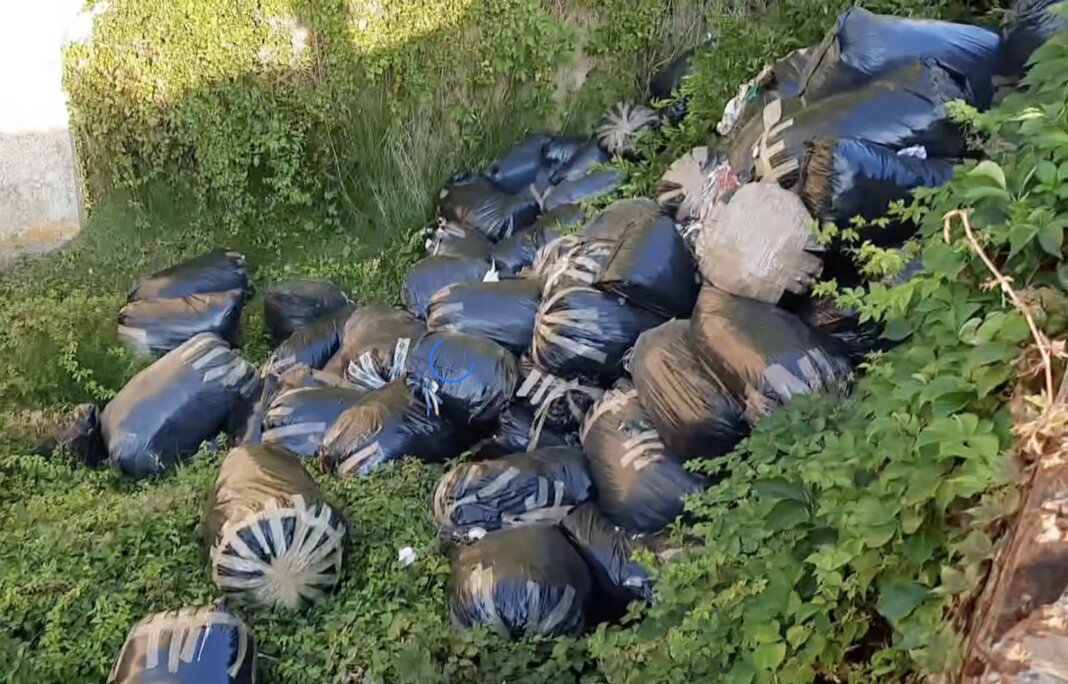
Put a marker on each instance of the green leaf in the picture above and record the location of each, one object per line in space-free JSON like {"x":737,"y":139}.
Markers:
{"x":898,"y":599}
{"x":786,"y":514}
{"x":989,"y":169}
{"x":766,"y":633}
{"x":769,"y":656}
{"x":897,"y":329}
{"x":1051,"y":238}
{"x":796,"y":635}
{"x":1046,"y":171}
{"x":781,"y":489}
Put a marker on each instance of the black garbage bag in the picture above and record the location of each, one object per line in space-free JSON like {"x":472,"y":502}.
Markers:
{"x":298,"y":418}
{"x":192,"y":645}
{"x":557,"y":403}
{"x":582,"y":161}
{"x":764,"y":354}
{"x":615,"y":220}
{"x":433,"y":273}
{"x":561,"y":150}
{"x":467,"y":378}
{"x":216,"y":271}
{"x":475,"y":201}
{"x":79,"y":434}
{"x":640,"y":486}
{"x":156,"y":326}
{"x":387,"y":425}
{"x":590,"y":186}
{"x":512,"y":254}
{"x":608,"y":551}
{"x":169,"y":408}
{"x":273,"y":539}
{"x":779,"y":79}
{"x":618,"y":131}
{"x":842,"y":178}
{"x":690,"y":407}
{"x":312,"y":345}
{"x":652,"y":267}
{"x":536,"y":486}
{"x":694,"y":183}
{"x":575,"y":260}
{"x":457,"y":240}
{"x":375,"y":345}
{"x":501,"y":311}
{"x":520,"y":165}
{"x":1030,"y":24}
{"x":517,"y":431}
{"x":864,"y":46}
{"x":842,"y":323}
{"x":581,"y":332}
{"x":904,"y":108}
{"x":523,"y":581}
{"x":289,"y":306}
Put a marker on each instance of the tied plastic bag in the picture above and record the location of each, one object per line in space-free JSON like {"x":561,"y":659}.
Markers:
{"x":1029,"y":25}
{"x":618,"y":131}
{"x":375,"y":345}
{"x":691,"y":409}
{"x":387,"y":425}
{"x":694,"y":183}
{"x":217,"y":271}
{"x":558,"y":403}
{"x":274,"y":541}
{"x":156,"y":326}
{"x":618,"y":218}
{"x":169,"y":408}
{"x":79,"y":435}
{"x":517,"y":431}
{"x":652,"y":268}
{"x":433,"y":273}
{"x":759,"y":245}
{"x":293,"y":304}
{"x":581,"y":332}
{"x":521,"y":165}
{"x":843,"y":178}
{"x":763,"y":354}
{"x":503,"y":311}
{"x":512,"y":254}
{"x":537,"y":486}
{"x":520,"y":582}
{"x":608,"y":551}
{"x":474,"y":201}
{"x":571,"y":261}
{"x":298,"y":418}
{"x":640,"y":487}
{"x":192,"y":645}
{"x":312,"y":345}
{"x":864,"y":45}
{"x":904,"y":108}
{"x":469,"y":379}
{"x":457,"y":240}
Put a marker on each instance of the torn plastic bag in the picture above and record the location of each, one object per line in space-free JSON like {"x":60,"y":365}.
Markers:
{"x":519,"y":582}
{"x":375,"y":345}
{"x":778,"y":79}
{"x":608,"y":550}
{"x":433,"y":273}
{"x":536,"y":486}
{"x":503,"y":311}
{"x":558,"y":403}
{"x":79,"y":434}
{"x":640,"y":486}
{"x":694,"y":183}
{"x":613,"y":222}
{"x":652,"y":268}
{"x":216,"y":271}
{"x":905,"y":108}
{"x":156,"y":326}
{"x":691,"y":408}
{"x":512,"y":254}
{"x":594,"y":184}
{"x":516,"y":432}
{"x":1030,"y":24}
{"x":760,"y":244}
{"x":274,"y":541}
{"x":474,"y":201}
{"x":311,"y":346}
{"x":843,"y":324}
{"x":618,"y":130}
{"x":387,"y":425}
{"x":457,"y":240}
{"x":764,"y":354}
{"x":289,"y":306}
{"x":864,"y":46}
{"x":467,"y":378}
{"x":298,"y":418}
{"x":520,"y":165}
{"x":583,"y":332}
{"x":193,"y":645}
{"x":844,"y":178}
{"x":169,"y":408}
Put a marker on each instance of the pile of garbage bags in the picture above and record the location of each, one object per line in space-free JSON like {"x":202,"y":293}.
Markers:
{"x":577,"y":358}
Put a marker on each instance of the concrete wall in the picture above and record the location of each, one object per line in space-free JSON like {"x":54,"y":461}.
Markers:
{"x":40,"y":192}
